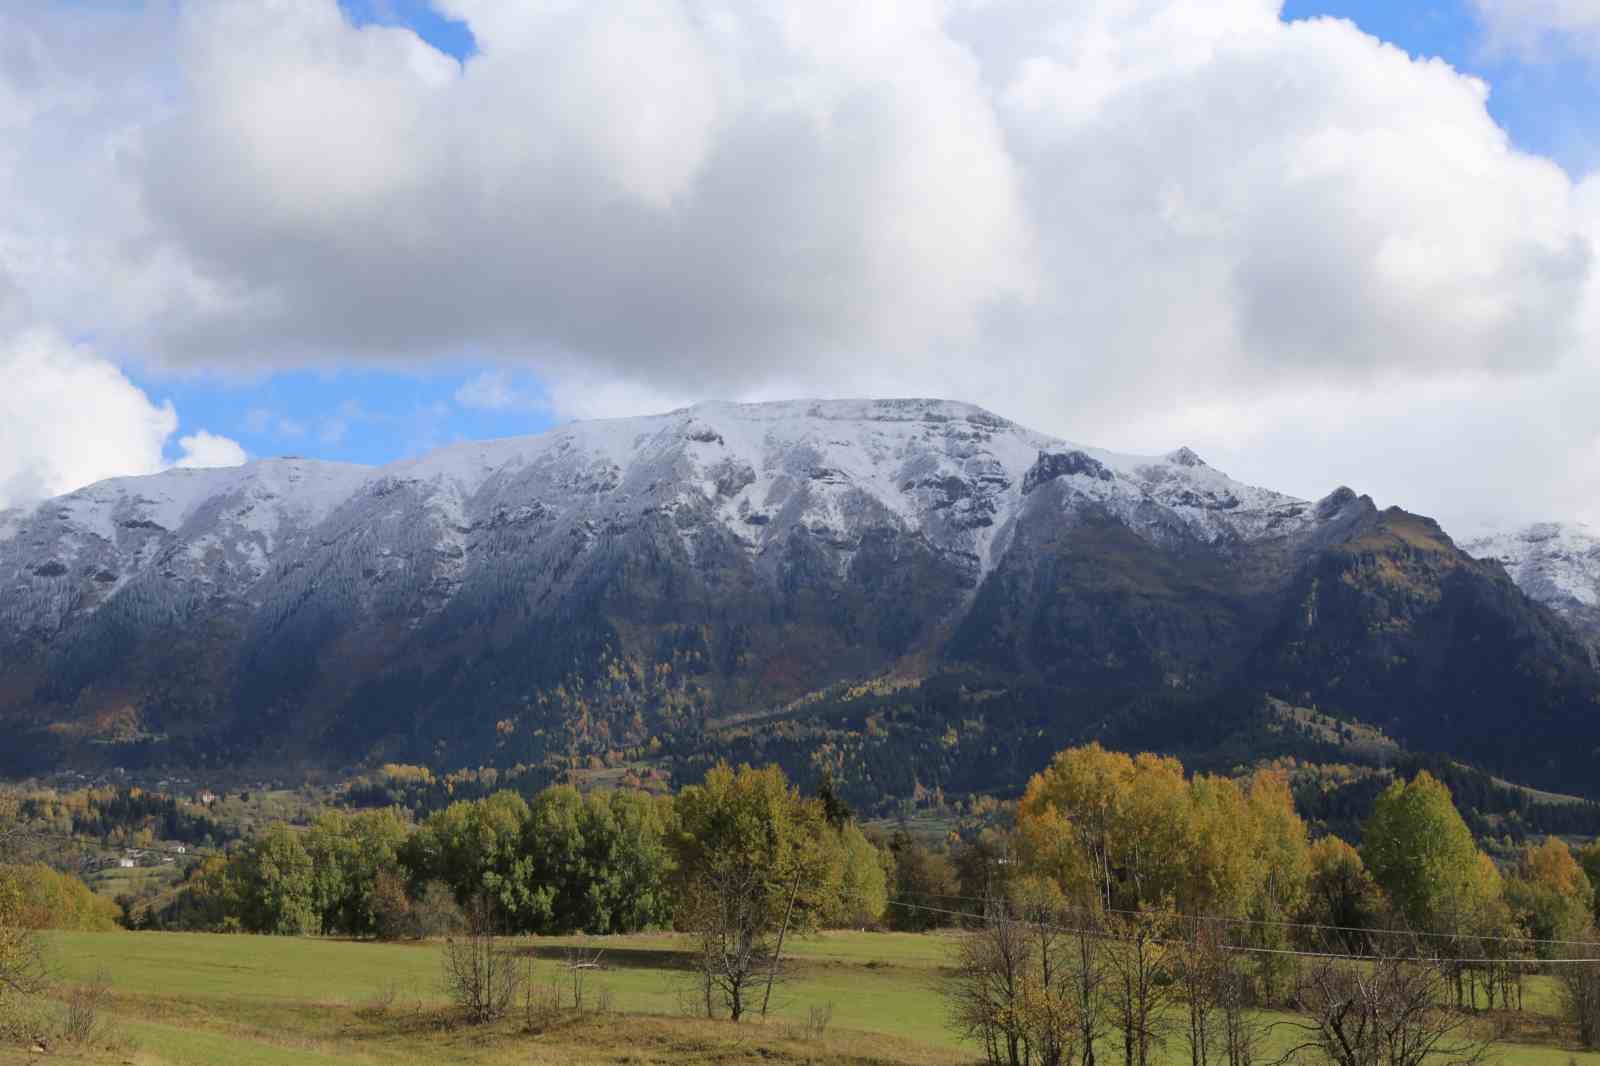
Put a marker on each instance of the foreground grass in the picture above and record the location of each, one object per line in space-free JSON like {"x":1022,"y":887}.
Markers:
{"x":193,"y":998}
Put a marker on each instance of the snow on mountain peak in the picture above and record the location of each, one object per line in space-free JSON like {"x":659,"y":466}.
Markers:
{"x":951,"y":473}
{"x":905,"y":454}
{"x":1184,"y":457}
{"x":1557,"y":563}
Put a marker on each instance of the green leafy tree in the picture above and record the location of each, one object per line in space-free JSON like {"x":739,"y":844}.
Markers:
{"x":348,"y":853}
{"x":863,"y":883}
{"x":472,"y":845}
{"x":752,"y":869}
{"x":279,"y":886}
{"x":1422,"y":854}
{"x":1589,"y":859}
{"x":376,"y":840}
{"x":548,"y":889}
{"x":922,"y":885}
{"x":596,"y":863}
{"x":628,"y":843}
{"x":328,"y":845}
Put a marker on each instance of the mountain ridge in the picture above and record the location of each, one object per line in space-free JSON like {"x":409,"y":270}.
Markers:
{"x":605,"y":584}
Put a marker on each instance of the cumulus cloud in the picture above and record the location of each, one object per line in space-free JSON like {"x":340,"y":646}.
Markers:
{"x":1120,"y":220}
{"x":69,"y":417}
{"x":203,"y":449}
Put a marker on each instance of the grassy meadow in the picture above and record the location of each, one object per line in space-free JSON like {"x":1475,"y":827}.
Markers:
{"x":180,"y":999}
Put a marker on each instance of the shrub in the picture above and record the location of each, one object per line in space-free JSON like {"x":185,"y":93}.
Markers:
{"x":82,"y":1021}
{"x":436,"y":913}
{"x":481,"y":975}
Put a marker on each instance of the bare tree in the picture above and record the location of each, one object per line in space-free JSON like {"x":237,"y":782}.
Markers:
{"x":1197,"y":966}
{"x":1210,"y":974}
{"x":1140,"y":985}
{"x":580,"y":962}
{"x":1243,"y":1030}
{"x":1393,"y":1010}
{"x":1015,"y":989}
{"x":728,"y":913}
{"x":481,"y":975}
{"x":1580,"y":992}
{"x":986,"y":994}
{"x":1088,"y":978}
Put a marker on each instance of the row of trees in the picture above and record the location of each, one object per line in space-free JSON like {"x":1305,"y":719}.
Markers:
{"x":121,"y":816}
{"x":598,"y":863}
{"x":742,"y":863}
{"x":1125,"y":888}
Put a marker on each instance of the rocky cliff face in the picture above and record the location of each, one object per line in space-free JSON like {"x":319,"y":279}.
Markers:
{"x":611,"y":582}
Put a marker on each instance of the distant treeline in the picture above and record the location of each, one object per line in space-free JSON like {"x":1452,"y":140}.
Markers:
{"x":1491,"y":808}
{"x":422,"y":792}
{"x":119,"y":816}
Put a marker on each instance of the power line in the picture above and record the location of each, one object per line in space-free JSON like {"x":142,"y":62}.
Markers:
{"x":1247,"y":948}
{"x":1284,"y":924}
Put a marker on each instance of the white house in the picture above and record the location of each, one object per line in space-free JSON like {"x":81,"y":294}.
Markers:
{"x":126,"y":864}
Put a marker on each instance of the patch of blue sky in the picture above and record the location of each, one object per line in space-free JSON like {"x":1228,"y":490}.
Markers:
{"x":448,"y":35}
{"x":358,"y":416}
{"x":1548,"y":104}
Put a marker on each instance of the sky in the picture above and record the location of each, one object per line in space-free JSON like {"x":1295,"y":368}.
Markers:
{"x":1321,"y":242}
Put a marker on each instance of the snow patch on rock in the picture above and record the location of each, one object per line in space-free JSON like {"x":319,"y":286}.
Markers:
{"x":1556,"y":563}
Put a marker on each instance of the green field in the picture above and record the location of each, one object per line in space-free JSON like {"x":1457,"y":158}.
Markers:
{"x":181,"y":999}
{"x":115,"y":881}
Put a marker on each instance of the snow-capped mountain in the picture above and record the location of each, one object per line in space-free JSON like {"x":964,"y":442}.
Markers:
{"x":949,"y":473}
{"x":1556,"y":563}
{"x":612,"y":582}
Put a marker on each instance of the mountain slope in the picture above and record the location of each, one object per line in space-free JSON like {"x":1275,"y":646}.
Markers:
{"x":1556,"y":563}
{"x":607,"y":584}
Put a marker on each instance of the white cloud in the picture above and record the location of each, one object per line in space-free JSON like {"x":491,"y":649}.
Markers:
{"x":1127,"y":221}
{"x":1531,"y":27}
{"x":205,"y":449}
{"x":493,"y":390}
{"x":68,"y":417}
